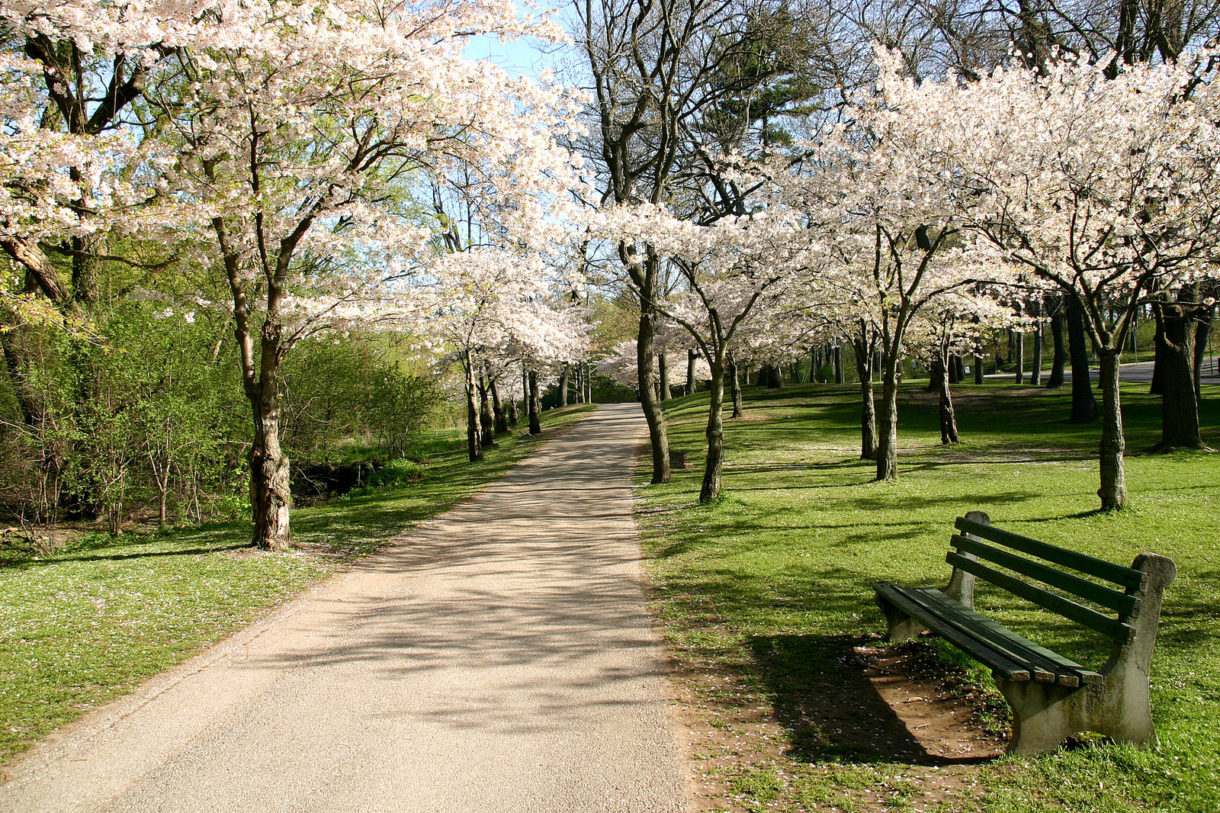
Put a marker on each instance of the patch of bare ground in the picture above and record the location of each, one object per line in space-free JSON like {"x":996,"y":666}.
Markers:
{"x":814,"y":723}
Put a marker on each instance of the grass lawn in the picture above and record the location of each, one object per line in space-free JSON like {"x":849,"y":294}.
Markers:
{"x":766,"y":596}
{"x":92,"y":621}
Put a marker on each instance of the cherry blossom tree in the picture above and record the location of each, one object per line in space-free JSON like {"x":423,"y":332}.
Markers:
{"x":1105,"y":184}
{"x":300,"y":142}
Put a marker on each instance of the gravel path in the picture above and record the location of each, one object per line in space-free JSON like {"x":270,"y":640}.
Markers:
{"x":498,"y":658}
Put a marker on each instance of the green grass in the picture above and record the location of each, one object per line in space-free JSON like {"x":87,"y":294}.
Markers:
{"x":90,"y":622}
{"x":770,"y":588}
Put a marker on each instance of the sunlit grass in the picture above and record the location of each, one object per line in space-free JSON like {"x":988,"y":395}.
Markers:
{"x":90,"y":622}
{"x":773,"y":585}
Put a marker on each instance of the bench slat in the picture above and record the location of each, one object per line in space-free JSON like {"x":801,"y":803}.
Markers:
{"x":1123,"y":603}
{"x":1049,"y":667}
{"x":1004,"y":666}
{"x":1099,"y":622}
{"x":1125,"y":576}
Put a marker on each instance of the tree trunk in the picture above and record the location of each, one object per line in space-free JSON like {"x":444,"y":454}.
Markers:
{"x":1156,"y":385}
{"x":948,"y":418}
{"x":1035,"y":373}
{"x":270,"y":495}
{"x":1058,"y":351}
{"x":887,"y":422}
{"x":691,"y":383}
{"x":1084,"y":405}
{"x":588,"y":383}
{"x":959,"y":368}
{"x":1018,"y":355}
{"x":474,"y":433}
{"x":511,"y":408}
{"x":868,"y":409}
{"x":663,"y":377}
{"x":715,"y":434}
{"x":1113,"y":491}
{"x":563,"y":386}
{"x":497,"y":408}
{"x":978,"y":368}
{"x":735,"y":388}
{"x":654,"y":413}
{"x":487,"y":423}
{"x":838,"y":362}
{"x":535,"y":404}
{"x":1179,"y":403}
{"x":1203,"y":332}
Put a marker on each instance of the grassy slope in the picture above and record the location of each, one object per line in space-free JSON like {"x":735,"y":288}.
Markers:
{"x":88,"y":623}
{"x":771,"y":588}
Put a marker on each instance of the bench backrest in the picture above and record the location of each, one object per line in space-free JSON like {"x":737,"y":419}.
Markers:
{"x":972,"y":550}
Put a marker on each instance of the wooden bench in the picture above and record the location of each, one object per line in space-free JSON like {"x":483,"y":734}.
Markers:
{"x":1052,"y":697}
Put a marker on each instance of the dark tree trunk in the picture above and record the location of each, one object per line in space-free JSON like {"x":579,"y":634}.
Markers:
{"x":654,"y":414}
{"x":714,"y":463}
{"x":868,"y":409}
{"x":935,"y":373}
{"x":487,"y":423}
{"x":474,"y":432}
{"x":978,"y":369}
{"x":563,"y":385}
{"x":497,"y":408}
{"x":1157,"y":386}
{"x":1179,"y":402}
{"x":663,"y":377}
{"x":511,"y":409}
{"x":1018,"y":355}
{"x":948,"y":419}
{"x":270,"y":495}
{"x":1203,"y":332}
{"x":1084,"y":405}
{"x":887,"y":421}
{"x":1058,"y":350}
{"x":838,"y":362}
{"x":691,"y":383}
{"x":535,"y":405}
{"x":735,"y":389}
{"x":1113,"y":491}
{"x":1035,"y":372}
{"x":959,"y":368}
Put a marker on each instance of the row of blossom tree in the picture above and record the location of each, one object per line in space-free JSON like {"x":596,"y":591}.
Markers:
{"x":909,"y":226}
{"x":288,"y":148}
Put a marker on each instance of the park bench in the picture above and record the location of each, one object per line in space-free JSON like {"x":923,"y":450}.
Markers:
{"x":1052,"y":697}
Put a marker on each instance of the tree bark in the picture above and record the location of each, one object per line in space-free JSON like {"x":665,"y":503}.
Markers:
{"x":563,"y":386}
{"x":486,"y":421}
{"x":948,"y":418}
{"x":270,"y":494}
{"x":978,"y":368}
{"x":887,"y":421}
{"x":663,"y":378}
{"x":1156,"y":386}
{"x":1018,"y":355}
{"x":715,"y":434}
{"x":868,"y":408}
{"x":1113,"y":491}
{"x":735,"y":388}
{"x":1179,"y":402}
{"x":1203,"y":332}
{"x":535,"y":404}
{"x":1058,"y":351}
{"x":497,"y":408}
{"x":474,"y":432}
{"x":1084,"y":405}
{"x":691,"y":384}
{"x":838,"y":362}
{"x":1035,"y":373}
{"x":654,"y":413}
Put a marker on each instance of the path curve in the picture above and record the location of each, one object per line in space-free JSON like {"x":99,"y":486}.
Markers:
{"x":497,"y":658}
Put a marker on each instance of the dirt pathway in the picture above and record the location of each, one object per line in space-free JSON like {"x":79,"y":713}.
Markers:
{"x":498,"y":658}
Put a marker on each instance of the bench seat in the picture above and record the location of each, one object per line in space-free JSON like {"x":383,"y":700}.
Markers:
{"x":1002,"y":650}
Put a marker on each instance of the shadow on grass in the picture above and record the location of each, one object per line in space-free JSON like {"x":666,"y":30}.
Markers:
{"x":828,"y":706}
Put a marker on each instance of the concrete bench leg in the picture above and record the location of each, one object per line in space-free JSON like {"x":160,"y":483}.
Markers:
{"x":1044,"y":715}
{"x":900,"y":626}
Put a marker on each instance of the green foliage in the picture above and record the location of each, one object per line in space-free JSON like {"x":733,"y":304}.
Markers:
{"x":773,"y":587}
